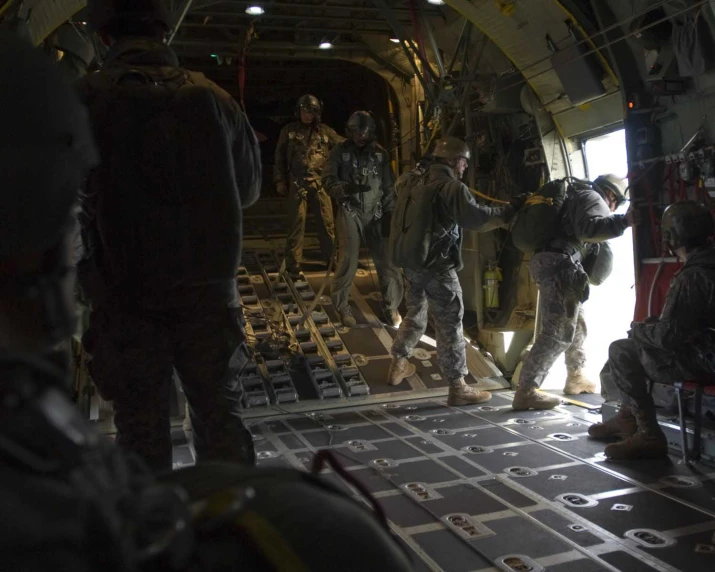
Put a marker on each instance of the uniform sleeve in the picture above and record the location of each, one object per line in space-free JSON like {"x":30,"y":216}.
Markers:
{"x":331,"y":176}
{"x":280,"y":170}
{"x":680,"y":319}
{"x":593,"y":221}
{"x":388,"y":185}
{"x":333,"y":138}
{"x":245,"y":148}
{"x":246,"y":160}
{"x":465,"y":211}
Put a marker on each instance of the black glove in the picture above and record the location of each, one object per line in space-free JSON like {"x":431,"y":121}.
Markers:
{"x":386,"y":222}
{"x":518,"y":201}
{"x":355,"y":188}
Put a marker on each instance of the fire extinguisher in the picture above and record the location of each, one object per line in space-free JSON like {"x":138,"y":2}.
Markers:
{"x":492,"y":277}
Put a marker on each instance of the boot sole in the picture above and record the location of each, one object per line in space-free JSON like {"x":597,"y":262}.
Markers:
{"x":640,"y":457}
{"x":456,"y":401}
{"x":581,"y":392}
{"x":611,"y":436}
{"x":411,"y":372}
{"x":544,"y":407}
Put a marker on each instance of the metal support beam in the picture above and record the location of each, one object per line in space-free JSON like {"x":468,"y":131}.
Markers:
{"x":433,"y":44}
{"x":405,"y":41}
{"x":179,"y":20}
{"x":313,"y":17}
{"x":262,"y":26}
{"x":435,"y":12}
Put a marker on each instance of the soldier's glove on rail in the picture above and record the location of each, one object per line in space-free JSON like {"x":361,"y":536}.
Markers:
{"x":518,"y":201}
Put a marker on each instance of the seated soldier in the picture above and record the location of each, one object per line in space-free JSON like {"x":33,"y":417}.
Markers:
{"x":72,"y":500}
{"x":667,"y":348}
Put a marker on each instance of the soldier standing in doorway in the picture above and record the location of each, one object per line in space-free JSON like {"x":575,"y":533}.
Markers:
{"x":302,"y":150}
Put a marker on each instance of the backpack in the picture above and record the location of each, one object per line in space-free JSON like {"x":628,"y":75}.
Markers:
{"x":537,"y":222}
{"x":412,"y":226}
{"x":167,"y":209}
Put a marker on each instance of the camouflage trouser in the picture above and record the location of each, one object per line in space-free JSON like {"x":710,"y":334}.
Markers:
{"x":133,"y":358}
{"x":441,"y":294}
{"x":320,"y":204}
{"x":563,"y":328}
{"x":629,"y":369}
{"x":351,"y":228}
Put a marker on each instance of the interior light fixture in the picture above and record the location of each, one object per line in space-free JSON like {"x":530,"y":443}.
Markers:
{"x":255,"y":10}
{"x":325,"y":45}
{"x":395,"y":40}
{"x":436,"y":2}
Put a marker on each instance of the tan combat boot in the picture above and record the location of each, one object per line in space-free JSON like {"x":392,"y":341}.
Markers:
{"x":462,"y":394}
{"x":577,"y":383}
{"x":622,"y":425}
{"x":529,"y":398}
{"x":648,"y":442}
{"x":347,"y":318}
{"x":392,"y":318}
{"x":400,"y":369}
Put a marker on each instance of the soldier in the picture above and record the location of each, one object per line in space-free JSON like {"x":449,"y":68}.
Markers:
{"x":414,"y":177}
{"x":360,"y":179}
{"x":435,"y":286}
{"x":73,"y":500}
{"x":563,"y":287}
{"x":668,"y":348}
{"x":302,"y":150}
{"x":161,"y":225}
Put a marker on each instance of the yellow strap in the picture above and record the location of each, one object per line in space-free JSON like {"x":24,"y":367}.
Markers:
{"x":271,"y":542}
{"x":487,"y":197}
{"x":539,"y":200}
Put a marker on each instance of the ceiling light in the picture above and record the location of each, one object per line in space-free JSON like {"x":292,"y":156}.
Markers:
{"x":255,"y":10}
{"x":436,"y":2}
{"x":325,"y":45}
{"x":395,"y":40}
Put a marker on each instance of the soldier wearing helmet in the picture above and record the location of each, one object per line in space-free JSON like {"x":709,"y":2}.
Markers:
{"x":161,"y":225}
{"x":435,"y":287}
{"x":359,"y":177}
{"x":302,"y":150}
{"x":586,"y":220}
{"x":677,"y":345}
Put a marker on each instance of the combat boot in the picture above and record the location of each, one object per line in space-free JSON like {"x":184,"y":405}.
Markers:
{"x":648,"y":442}
{"x":577,"y":383}
{"x":529,"y":398}
{"x":400,"y":369}
{"x":622,"y":425}
{"x":462,"y":394}
{"x":392,"y":318}
{"x":347,"y":318}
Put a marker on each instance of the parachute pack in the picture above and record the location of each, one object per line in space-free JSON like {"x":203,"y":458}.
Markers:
{"x":537,"y":221}
{"x":412,"y":226}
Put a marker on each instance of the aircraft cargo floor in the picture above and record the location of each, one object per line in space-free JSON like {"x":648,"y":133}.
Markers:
{"x":488,"y":488}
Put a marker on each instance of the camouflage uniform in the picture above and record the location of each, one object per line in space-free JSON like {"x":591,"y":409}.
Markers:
{"x":362,"y":215}
{"x":204,"y":345}
{"x":300,"y":157}
{"x":162,"y":244}
{"x":436,"y":288}
{"x":563,"y":284}
{"x":662,"y":350}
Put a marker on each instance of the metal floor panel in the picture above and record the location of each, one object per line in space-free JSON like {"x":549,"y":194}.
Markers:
{"x":525,"y":498}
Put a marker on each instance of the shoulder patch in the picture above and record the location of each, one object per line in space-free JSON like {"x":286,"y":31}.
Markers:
{"x":291,"y":135}
{"x":378,"y":156}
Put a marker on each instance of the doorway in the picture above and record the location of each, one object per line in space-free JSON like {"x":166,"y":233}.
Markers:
{"x":609,"y":310}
